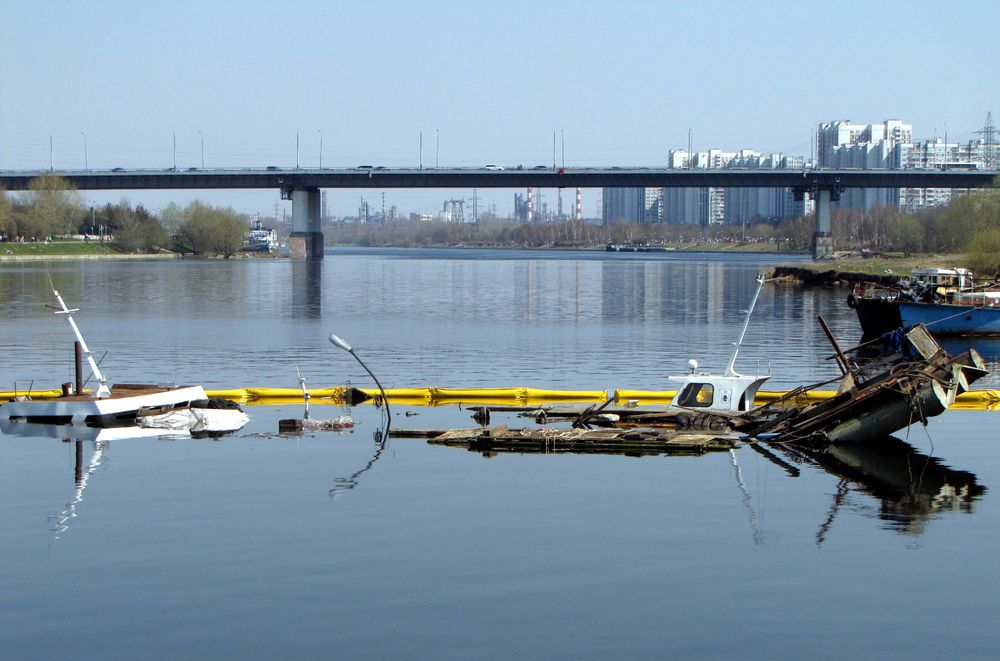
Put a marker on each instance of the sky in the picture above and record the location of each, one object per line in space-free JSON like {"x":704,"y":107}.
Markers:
{"x":621,"y":83}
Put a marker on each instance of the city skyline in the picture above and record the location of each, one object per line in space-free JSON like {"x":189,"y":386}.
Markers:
{"x":239,"y":84}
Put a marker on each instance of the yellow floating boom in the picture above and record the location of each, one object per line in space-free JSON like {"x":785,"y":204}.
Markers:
{"x":514,"y":396}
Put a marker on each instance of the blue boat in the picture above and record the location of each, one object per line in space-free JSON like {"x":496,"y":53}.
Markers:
{"x":951,"y":318}
{"x":947,"y":301}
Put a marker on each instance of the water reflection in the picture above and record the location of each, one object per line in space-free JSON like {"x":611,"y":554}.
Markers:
{"x":381,"y":439}
{"x":912,"y":488}
{"x":81,"y":476}
{"x":988,"y":348}
{"x":81,"y":432}
{"x":307,"y":288}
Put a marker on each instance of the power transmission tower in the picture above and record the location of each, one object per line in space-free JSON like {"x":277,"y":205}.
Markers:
{"x":989,"y":142}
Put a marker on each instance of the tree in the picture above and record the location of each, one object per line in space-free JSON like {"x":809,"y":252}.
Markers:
{"x":984,"y":253}
{"x":209,"y":230}
{"x":905,"y":233}
{"x":7,"y":224}
{"x":135,"y":230}
{"x":51,"y":206}
{"x":171,"y":218}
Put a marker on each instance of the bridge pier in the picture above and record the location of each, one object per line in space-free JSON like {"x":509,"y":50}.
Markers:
{"x":306,"y":239}
{"x":824,"y":196}
{"x":822,"y":244}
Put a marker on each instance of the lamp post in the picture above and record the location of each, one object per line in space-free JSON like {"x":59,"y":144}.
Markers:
{"x":347,"y":347}
{"x":200,"y":135}
{"x":320,"y":148}
{"x":86,"y":163}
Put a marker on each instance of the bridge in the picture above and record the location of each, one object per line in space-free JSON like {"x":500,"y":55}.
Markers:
{"x":302,"y":186}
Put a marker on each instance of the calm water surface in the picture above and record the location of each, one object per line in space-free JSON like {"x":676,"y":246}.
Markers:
{"x":257,"y":546}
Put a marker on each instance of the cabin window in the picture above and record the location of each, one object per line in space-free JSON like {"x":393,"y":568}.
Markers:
{"x":696,"y":394}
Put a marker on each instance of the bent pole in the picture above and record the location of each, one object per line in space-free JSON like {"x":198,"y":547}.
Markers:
{"x":103,"y":392}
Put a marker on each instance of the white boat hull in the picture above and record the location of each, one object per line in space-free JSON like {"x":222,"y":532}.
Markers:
{"x":124,"y":403}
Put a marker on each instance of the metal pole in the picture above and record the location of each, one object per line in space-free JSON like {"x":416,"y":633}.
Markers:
{"x":50,"y":152}
{"x":296,"y":150}
{"x":86,"y":163}
{"x":421,"y":162}
{"x":320,"y":148}
{"x":200,"y":135}
{"x":175,"y":151}
{"x":385,"y":398}
{"x":437,"y":147}
{"x":78,"y":360}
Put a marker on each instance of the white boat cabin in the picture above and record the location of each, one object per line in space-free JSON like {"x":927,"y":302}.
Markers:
{"x":950,"y":279}
{"x":714,"y":392}
{"x":729,"y":391}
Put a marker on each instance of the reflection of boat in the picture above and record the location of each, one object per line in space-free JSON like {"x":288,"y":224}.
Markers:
{"x":109,"y":407}
{"x":81,"y":478}
{"x":947,"y":301}
{"x":912,"y":487}
{"x":79,"y":432}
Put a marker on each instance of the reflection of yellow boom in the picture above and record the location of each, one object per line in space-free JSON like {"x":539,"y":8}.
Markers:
{"x":983,"y":400}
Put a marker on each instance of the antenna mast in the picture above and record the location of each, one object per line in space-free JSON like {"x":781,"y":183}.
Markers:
{"x":730,"y":368}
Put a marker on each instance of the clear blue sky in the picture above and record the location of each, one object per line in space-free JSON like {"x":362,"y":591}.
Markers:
{"x":623,"y":81}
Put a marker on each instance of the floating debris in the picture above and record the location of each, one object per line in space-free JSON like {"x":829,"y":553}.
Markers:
{"x":550,"y":440}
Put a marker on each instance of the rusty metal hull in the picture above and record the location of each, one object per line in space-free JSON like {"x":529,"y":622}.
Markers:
{"x":878,"y":401}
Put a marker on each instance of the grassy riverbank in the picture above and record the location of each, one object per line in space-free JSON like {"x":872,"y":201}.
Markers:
{"x":59,"y":248}
{"x":884,"y":265}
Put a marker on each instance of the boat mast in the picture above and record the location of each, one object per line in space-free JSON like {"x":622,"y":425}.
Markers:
{"x":731,"y":367}
{"x":103,"y":392}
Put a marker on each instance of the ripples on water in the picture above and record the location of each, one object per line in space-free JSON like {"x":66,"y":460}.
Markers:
{"x":262,"y":546}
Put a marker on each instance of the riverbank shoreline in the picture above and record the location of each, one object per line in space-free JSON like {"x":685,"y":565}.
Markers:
{"x":45,"y":258}
{"x":849,"y":272}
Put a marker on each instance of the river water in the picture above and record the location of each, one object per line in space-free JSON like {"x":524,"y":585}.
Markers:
{"x":256,"y":545}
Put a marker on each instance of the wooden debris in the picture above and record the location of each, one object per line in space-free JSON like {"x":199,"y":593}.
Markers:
{"x":550,"y":440}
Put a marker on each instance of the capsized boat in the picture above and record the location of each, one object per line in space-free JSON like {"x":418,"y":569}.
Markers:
{"x":121,"y":405}
{"x":917,"y":382}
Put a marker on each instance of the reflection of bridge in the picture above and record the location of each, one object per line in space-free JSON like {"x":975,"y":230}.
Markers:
{"x":302,"y":185}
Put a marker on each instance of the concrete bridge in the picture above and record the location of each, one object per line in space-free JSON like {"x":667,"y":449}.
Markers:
{"x":302,"y":186}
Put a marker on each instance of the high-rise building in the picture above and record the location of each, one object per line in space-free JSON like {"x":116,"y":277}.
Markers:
{"x":937,"y":154}
{"x":653,"y":206}
{"x":624,"y":205}
{"x":715,"y":206}
{"x":845,"y":145}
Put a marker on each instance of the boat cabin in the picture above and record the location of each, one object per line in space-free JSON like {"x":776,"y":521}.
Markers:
{"x":950,"y":279}
{"x":713,"y":392}
{"x":261,"y":239}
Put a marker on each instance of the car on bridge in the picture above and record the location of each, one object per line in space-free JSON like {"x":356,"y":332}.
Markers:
{"x":493,"y":167}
